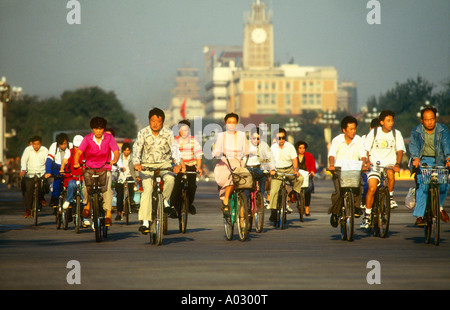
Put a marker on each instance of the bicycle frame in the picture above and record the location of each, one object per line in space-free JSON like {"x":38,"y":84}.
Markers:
{"x":38,"y":180}
{"x":96,"y":197}
{"x":254,"y":193}
{"x":434,"y":176}
{"x":381,"y":215}
{"x":159,"y":218}
{"x":184,"y":208}
{"x":281,"y":206}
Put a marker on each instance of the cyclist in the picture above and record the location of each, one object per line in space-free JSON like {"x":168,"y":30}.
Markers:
{"x":126,"y":173}
{"x":306,"y":161}
{"x":345,"y":147}
{"x":32,"y":162}
{"x":96,"y":149}
{"x":155,"y":147}
{"x":56,"y":153}
{"x":383,"y":144}
{"x":285,"y":158}
{"x":231,"y":146}
{"x":191,"y":156}
{"x":260,"y":158}
{"x":67,"y":166}
{"x":429,"y":144}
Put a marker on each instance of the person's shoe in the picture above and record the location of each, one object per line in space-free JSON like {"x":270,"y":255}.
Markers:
{"x":365,"y":222}
{"x":108,"y":221}
{"x":87,"y":210}
{"x":419,"y":222}
{"x":66,"y":205}
{"x":307,"y":211}
{"x":273,"y":216}
{"x":334,"y":221}
{"x":288,"y":209}
{"x":86,"y":222}
{"x":192,"y":210}
{"x":27,"y":213}
{"x":293,"y":197}
{"x":393,"y":204}
{"x":144,"y":229}
{"x":118,"y":217}
{"x":444,"y":216}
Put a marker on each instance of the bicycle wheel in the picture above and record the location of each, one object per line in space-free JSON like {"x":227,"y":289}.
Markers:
{"x":228,"y":220}
{"x":242,"y":216}
{"x":126,"y":210}
{"x":374,"y":215}
{"x":96,"y":218}
{"x":281,"y":208}
{"x":348,"y":217}
{"x":58,"y":217}
{"x":159,"y":221}
{"x":384,"y":211}
{"x":259,"y":212}
{"x":435,"y":215}
{"x":301,"y":204}
{"x":35,"y":206}
{"x":184,"y":210}
{"x":77,"y":219}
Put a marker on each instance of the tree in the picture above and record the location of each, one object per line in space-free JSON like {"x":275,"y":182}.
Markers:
{"x":70,"y":113}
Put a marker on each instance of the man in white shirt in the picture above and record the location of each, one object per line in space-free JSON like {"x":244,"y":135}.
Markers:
{"x":346,"y":147}
{"x":32,"y":162}
{"x":386,"y":146}
{"x":285,"y":158}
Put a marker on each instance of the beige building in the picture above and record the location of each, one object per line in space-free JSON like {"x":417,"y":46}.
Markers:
{"x":256,"y":86}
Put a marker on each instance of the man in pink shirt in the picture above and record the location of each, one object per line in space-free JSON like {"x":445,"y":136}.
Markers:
{"x":97,"y":148}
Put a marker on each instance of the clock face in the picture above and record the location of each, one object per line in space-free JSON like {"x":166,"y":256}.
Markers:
{"x":259,"y":35}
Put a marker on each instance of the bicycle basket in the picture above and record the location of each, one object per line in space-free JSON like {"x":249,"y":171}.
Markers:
{"x":441,"y":175}
{"x":350,"y":178}
{"x":88,"y":177}
{"x":242,"y":178}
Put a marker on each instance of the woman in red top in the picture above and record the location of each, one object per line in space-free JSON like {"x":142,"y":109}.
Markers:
{"x":67,"y":166}
{"x":306,"y":162}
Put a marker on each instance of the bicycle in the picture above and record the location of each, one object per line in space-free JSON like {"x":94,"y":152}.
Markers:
{"x":77,"y":201}
{"x":282,"y":199}
{"x":349,"y":184}
{"x":434,"y":176}
{"x":381,"y":210}
{"x":158,"y":226}
{"x":238,"y":210}
{"x":62,"y":215}
{"x":256,"y":206}
{"x":36,"y":204}
{"x":127,"y":200}
{"x":95,"y":179}
{"x":184,"y":208}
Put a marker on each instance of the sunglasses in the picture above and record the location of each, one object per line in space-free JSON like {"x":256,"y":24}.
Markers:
{"x":281,"y":138}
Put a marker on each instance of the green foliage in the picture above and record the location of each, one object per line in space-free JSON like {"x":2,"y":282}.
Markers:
{"x":407,"y":99}
{"x":71,"y":113}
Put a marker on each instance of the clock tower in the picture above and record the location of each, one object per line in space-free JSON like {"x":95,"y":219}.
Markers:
{"x":258,"y":39}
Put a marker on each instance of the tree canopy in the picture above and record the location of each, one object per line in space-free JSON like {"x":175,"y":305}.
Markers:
{"x":71,"y":113}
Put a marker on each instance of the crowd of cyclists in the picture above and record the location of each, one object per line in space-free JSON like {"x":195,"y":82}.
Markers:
{"x":157,"y":147}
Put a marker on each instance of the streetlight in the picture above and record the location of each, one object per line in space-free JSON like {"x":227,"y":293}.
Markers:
{"x":328,"y":118}
{"x":292,"y":126}
{"x":371,"y":115}
{"x":6,"y":94}
{"x":427,"y":104}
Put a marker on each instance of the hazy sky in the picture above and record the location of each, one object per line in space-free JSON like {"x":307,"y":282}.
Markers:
{"x":134,"y":47}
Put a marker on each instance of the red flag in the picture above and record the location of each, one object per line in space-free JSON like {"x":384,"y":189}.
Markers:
{"x":183,"y":109}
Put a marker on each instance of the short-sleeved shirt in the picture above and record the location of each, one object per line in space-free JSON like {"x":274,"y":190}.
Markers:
{"x":384,"y":146}
{"x":283,"y":156}
{"x":96,"y":154}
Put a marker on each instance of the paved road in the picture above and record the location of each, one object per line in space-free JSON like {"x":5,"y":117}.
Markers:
{"x":305,"y":256}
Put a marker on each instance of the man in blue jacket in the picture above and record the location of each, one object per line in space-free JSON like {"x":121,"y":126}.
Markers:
{"x":430,"y":144}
